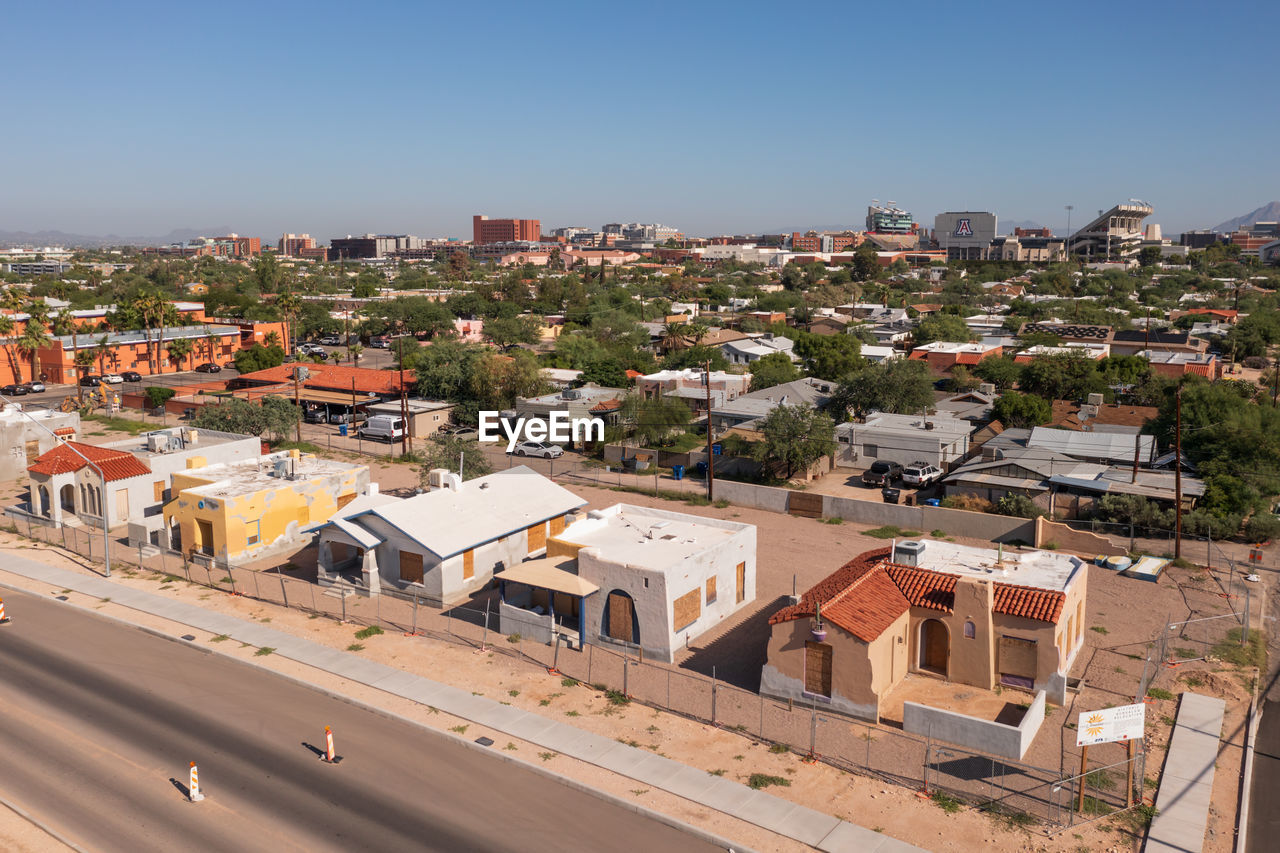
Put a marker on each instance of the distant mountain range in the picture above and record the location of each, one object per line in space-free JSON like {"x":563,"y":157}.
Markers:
{"x":41,"y":239}
{"x":1269,"y":212}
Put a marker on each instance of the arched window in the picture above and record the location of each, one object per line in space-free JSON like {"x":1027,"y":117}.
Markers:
{"x":970,"y":630}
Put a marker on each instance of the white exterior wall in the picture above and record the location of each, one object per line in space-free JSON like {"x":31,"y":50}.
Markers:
{"x":654,"y":603}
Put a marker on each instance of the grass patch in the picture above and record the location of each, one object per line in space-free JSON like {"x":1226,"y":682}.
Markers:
{"x":263,"y":652}
{"x":513,"y":693}
{"x":1193,"y":681}
{"x":510,"y":747}
{"x":617,"y":697}
{"x":356,"y":647}
{"x":120,"y":424}
{"x":833,"y":520}
{"x":938,"y":533}
{"x":366,"y":633}
{"x":1138,"y":819}
{"x":546,"y":756}
{"x":514,"y":638}
{"x":572,"y":713}
{"x":721,"y":503}
{"x":779,"y":748}
{"x":568,"y":682}
{"x":763,"y":780}
{"x":1253,"y":653}
{"x":1094,"y":806}
{"x":1100,"y":779}
{"x":1101,"y":629}
{"x":1159,"y":693}
{"x":221,"y":638}
{"x":717,"y":772}
{"x":1182,"y":652}
{"x":462,"y":730}
{"x":946,"y":802}
{"x":739,"y":757}
{"x":227,"y":579}
{"x":890,"y":531}
{"x":170,"y":579}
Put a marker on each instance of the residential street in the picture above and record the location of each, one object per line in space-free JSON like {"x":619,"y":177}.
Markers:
{"x":100,"y":721}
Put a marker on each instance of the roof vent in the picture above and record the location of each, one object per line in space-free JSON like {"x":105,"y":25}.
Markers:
{"x":908,"y":552}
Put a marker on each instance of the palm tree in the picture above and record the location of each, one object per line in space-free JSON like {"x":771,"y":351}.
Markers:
{"x":289,"y":305}
{"x":7,"y":340}
{"x":675,"y":335}
{"x":63,"y":325}
{"x":148,"y":307}
{"x":35,"y":336}
{"x":179,"y":349}
{"x":167,"y":316}
{"x":272,"y":339}
{"x":354,"y":351}
{"x":100,"y":350}
{"x":84,"y":363}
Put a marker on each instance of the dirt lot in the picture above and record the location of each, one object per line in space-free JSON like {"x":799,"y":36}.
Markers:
{"x":1123,"y":615}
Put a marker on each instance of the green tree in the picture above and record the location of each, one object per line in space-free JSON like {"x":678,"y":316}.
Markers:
{"x":607,"y":372}
{"x":35,"y":336}
{"x":1149,"y":256}
{"x":1001,"y":372}
{"x":448,"y":451}
{"x":942,"y":327}
{"x":1021,"y":410}
{"x":158,"y":395}
{"x":794,"y":437}
{"x":829,"y":357}
{"x":899,"y":386}
{"x":1062,"y":376}
{"x":773,"y":369}
{"x":274,"y":417}
{"x":180,"y":349}
{"x":506,"y":332}
{"x":267,"y":273}
{"x":654,"y":420}
{"x":258,"y":357}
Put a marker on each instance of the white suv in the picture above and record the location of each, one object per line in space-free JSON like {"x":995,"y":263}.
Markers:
{"x":920,"y":474}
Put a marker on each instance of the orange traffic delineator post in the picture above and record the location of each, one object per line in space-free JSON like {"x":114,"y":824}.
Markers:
{"x":3,"y":618}
{"x":329,"y":756}
{"x":193,"y":789}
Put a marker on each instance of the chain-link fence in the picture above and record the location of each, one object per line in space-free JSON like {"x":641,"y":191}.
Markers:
{"x":1033,"y":795}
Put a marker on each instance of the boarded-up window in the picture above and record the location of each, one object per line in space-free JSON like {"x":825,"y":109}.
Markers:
{"x":33,"y":451}
{"x":468,"y":565}
{"x":410,"y":567}
{"x":686,"y":609}
{"x":711,"y":589}
{"x":537,"y":537}
{"x":742,"y":582}
{"x":621,"y":617}
{"x":338,"y":553}
{"x":122,"y":504}
{"x":817,"y":668}
{"x":343,"y":500}
{"x":158,"y":489}
{"x":1017,"y":661}
{"x":557,"y":525}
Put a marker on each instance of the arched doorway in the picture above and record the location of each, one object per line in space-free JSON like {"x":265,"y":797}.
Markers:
{"x":42,"y":495}
{"x":934,"y":646}
{"x":620,"y":621}
{"x":67,"y":495}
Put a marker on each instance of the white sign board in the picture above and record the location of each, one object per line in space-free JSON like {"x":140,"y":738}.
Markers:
{"x":1111,"y":724}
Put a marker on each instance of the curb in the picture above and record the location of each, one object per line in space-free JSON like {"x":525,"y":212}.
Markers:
{"x":661,"y":817}
{"x":40,"y":825}
{"x":1246,"y":772}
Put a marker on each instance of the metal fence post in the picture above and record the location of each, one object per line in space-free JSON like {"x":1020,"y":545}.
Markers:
{"x":484,"y":638}
{"x":256,"y":593}
{"x":591,"y":653}
{"x":813,"y":728}
{"x":344,"y":606}
{"x":313,"y":598}
{"x":284,"y":593}
{"x":625,"y":668}
{"x":1244,"y":627}
{"x":713,"y":695}
{"x":414,"y":629}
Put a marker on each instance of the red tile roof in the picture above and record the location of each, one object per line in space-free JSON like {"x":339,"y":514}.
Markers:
{"x":607,"y":405}
{"x":115,"y":464}
{"x":336,"y":377}
{"x":867,"y":594}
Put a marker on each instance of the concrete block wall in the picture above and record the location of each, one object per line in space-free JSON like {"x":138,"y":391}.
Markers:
{"x":987,"y":736}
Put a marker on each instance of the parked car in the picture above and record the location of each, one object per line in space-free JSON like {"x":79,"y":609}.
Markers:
{"x":90,"y":381}
{"x":383,"y":428}
{"x":316,"y":416}
{"x":35,"y":386}
{"x":310,"y":349}
{"x":131,"y":376}
{"x":538,"y":448}
{"x":208,"y":367}
{"x":920,"y":474}
{"x":347,"y":417}
{"x":882,"y":473}
{"x":14,"y":390}
{"x":331,"y":341}
{"x":112,"y":378}
{"x":380,"y":342}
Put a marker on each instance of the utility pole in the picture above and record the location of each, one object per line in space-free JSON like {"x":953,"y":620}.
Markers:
{"x":1177,"y":477}
{"x":1137,"y":446}
{"x":1275,"y":386}
{"x":711,"y":465}
{"x":297,"y":406}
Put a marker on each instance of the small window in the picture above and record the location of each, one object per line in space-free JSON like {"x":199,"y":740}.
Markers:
{"x":711,"y":590}
{"x":970,"y":630}
{"x":253,"y":533}
{"x":870,"y":450}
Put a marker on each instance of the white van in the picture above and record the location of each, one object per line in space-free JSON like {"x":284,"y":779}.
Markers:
{"x":383,"y":428}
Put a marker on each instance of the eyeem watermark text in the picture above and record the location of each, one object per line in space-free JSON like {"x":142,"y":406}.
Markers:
{"x":557,"y":428}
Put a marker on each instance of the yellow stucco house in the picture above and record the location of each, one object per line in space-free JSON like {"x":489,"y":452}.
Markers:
{"x":237,"y":512}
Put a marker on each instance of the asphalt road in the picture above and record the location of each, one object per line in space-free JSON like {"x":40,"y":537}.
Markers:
{"x":99,"y":721}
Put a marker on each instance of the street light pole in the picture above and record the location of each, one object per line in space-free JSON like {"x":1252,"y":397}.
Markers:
{"x":106,"y":533}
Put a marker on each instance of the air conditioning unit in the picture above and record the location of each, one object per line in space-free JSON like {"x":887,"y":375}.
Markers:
{"x":281,"y":468}
{"x":571,"y":394}
{"x":1094,"y":400}
{"x":435,"y":477}
{"x":158,"y":442}
{"x":908,"y":552}
{"x":987,"y":388}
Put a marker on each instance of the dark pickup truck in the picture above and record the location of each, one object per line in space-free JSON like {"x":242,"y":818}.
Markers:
{"x":882,"y":474}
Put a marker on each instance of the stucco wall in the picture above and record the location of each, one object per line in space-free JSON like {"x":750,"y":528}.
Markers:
{"x":659,"y":637}
{"x":1074,"y":541}
{"x":987,"y":736}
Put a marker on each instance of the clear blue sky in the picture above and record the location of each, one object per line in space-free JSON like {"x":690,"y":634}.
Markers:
{"x":330,"y":118}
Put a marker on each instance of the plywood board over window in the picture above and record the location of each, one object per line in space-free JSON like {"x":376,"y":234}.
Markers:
{"x":742,"y":582}
{"x":343,"y":500}
{"x":537,"y":536}
{"x":158,"y":489}
{"x":468,"y":565}
{"x":410,"y":567}
{"x":711,"y":589}
{"x":686,"y":609}
{"x":817,"y":668}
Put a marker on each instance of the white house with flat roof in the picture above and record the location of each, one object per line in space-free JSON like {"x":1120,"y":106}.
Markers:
{"x":938,"y":439}
{"x":661,"y":578}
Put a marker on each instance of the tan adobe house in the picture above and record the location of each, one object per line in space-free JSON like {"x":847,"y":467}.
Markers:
{"x":968,"y":615}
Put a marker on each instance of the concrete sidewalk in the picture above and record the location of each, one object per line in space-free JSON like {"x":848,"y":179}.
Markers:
{"x":1186,"y":786}
{"x":805,"y":825}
